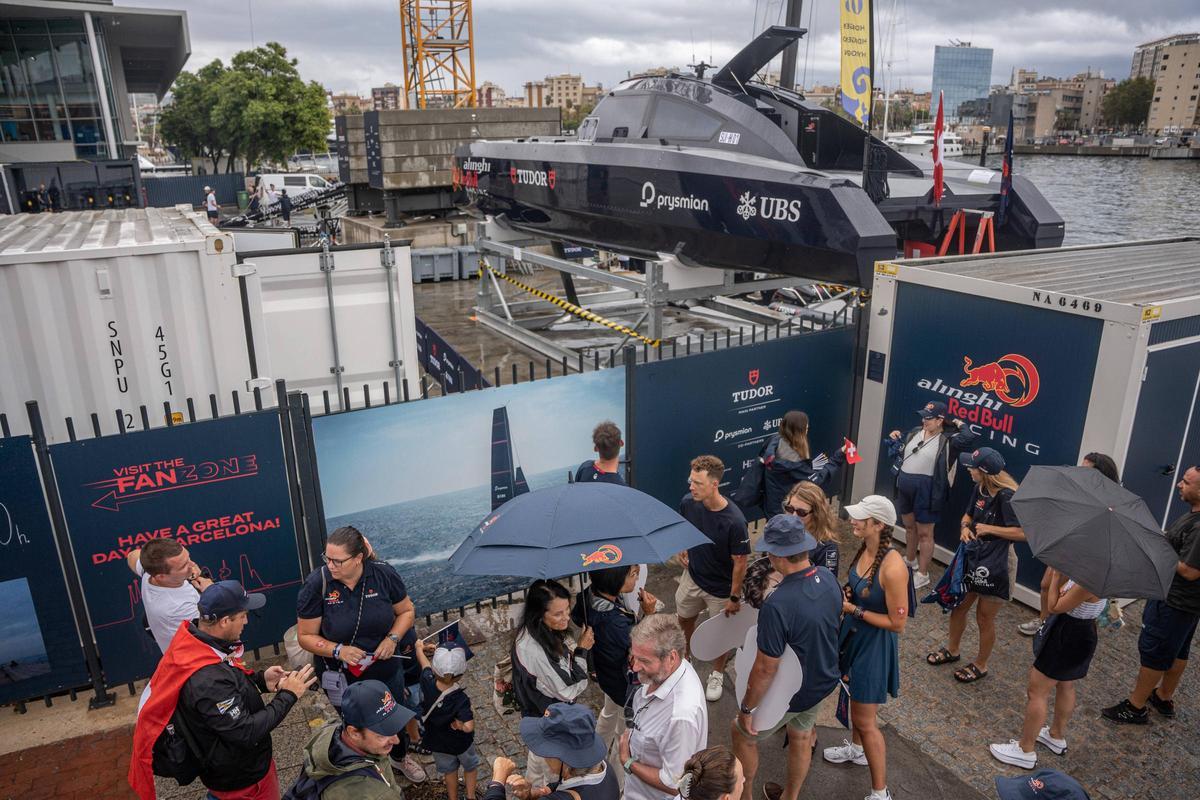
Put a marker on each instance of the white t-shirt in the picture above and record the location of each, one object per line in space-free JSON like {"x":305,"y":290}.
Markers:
{"x":920,"y":455}
{"x":166,"y":608}
{"x":210,"y":202}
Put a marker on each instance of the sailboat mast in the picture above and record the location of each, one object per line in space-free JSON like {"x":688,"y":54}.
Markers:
{"x":870,"y":93}
{"x":787,"y":71}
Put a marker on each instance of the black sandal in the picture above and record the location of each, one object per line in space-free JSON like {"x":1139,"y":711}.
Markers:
{"x":969,"y":674}
{"x":941,"y":656}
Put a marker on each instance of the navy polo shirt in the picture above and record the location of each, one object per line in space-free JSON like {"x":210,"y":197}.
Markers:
{"x":587,"y":473}
{"x":805,"y":612}
{"x":439,"y":736}
{"x":379,"y":588}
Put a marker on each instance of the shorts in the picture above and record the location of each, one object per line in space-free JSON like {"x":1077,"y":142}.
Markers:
{"x":448,"y":764}
{"x":690,"y":599}
{"x":799,"y":721}
{"x":914,"y":495}
{"x":1166,"y":635}
{"x":1068,"y":649}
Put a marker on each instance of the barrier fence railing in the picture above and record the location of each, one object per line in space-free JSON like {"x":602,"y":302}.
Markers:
{"x":96,"y":580}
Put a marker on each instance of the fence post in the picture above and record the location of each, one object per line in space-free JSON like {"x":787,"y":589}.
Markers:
{"x":630,"y":439}
{"x":314,"y":480}
{"x":287,"y":428}
{"x":58,"y":521}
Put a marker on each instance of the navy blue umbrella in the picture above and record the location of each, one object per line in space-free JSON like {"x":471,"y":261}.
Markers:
{"x":575,"y":527}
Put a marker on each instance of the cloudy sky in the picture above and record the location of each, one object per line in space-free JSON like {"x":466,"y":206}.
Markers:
{"x":352,"y":45}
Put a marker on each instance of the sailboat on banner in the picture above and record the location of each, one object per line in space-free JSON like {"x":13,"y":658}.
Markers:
{"x":508,"y":479}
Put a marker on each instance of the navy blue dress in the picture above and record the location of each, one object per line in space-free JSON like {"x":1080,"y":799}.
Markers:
{"x":870,"y":655}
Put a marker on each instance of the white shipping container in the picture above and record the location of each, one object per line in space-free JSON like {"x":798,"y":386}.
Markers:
{"x":106,"y":311}
{"x":367,"y":340}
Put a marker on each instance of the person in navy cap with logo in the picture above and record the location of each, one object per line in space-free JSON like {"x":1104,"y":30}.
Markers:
{"x":566,"y":738}
{"x":203,"y":683}
{"x":803,"y":613}
{"x":349,"y":759}
{"x":924,"y":466}
{"x":1048,"y":784}
{"x":989,"y":527}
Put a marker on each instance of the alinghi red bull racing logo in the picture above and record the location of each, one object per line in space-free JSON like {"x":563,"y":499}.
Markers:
{"x":608,"y":554}
{"x":1012,"y":377}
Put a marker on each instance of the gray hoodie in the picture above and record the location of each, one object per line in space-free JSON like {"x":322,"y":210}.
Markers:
{"x":326,"y":754}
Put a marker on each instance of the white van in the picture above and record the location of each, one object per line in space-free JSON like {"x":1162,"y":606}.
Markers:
{"x":294,"y":182}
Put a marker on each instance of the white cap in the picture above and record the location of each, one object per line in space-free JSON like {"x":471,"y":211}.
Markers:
{"x":449,"y":661}
{"x":873,"y":506}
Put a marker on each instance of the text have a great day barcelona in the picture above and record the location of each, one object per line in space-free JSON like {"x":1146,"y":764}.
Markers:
{"x":201,"y":531}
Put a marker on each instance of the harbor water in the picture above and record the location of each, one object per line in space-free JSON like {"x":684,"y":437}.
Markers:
{"x":1106,"y":199}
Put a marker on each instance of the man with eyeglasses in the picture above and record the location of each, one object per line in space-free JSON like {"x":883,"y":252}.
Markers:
{"x":667,"y":716}
{"x":714,"y":571}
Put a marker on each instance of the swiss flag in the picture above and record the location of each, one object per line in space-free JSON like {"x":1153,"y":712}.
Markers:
{"x":851,"y":450}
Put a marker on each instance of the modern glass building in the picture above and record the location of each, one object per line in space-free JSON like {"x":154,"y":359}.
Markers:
{"x":963,"y":73}
{"x":67,"y":67}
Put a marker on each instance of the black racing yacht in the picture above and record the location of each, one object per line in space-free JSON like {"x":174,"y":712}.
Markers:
{"x":732,"y":173}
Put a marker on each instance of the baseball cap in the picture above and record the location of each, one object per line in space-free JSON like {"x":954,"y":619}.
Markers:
{"x":932,"y":409}
{"x":449,"y":661}
{"x":985,"y":459}
{"x":226,"y":598}
{"x":370,"y":705}
{"x":873,"y":506}
{"x":785,"y":535}
{"x":567,"y":732}
{"x":1048,"y":784}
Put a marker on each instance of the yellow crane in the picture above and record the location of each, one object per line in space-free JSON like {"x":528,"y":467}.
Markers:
{"x":439,"y":53}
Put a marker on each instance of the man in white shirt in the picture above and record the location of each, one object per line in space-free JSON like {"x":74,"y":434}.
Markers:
{"x":668,"y":715}
{"x":210,"y":205}
{"x":171,"y":585}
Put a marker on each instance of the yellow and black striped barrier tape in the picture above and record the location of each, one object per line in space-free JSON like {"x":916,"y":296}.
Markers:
{"x":578,"y":311}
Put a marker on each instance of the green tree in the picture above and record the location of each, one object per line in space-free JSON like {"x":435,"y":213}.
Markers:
{"x":573,"y":117}
{"x":1128,"y":103}
{"x":256,"y":108}
{"x":187,"y":122}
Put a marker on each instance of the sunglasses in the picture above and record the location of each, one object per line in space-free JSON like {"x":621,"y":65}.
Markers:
{"x":799,"y":512}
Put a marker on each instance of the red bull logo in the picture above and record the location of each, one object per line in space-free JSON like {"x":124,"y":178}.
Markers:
{"x":386,"y":704}
{"x":608,"y":554}
{"x":1013,"y":378}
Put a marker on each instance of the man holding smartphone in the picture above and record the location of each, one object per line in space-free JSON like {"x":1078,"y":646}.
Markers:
{"x":171,"y":586}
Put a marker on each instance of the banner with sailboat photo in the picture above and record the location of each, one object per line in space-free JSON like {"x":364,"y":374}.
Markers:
{"x":417,"y":477}
{"x":855,"y":83}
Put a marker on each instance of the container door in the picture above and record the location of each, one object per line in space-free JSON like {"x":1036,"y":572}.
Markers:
{"x":1166,"y":429}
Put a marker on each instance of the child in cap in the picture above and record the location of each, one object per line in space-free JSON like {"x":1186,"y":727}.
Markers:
{"x":447,"y":716}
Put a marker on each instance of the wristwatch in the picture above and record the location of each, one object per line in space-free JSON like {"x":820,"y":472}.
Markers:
{"x":395,"y":639}
{"x":735,"y":598}
{"x":742,"y":708}
{"x":628,"y":765}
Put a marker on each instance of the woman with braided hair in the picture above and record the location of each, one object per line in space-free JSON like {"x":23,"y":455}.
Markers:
{"x":712,"y":774}
{"x":875,"y":609}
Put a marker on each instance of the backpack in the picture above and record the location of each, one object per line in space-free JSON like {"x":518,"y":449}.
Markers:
{"x":306,"y":788}
{"x":176,"y":754}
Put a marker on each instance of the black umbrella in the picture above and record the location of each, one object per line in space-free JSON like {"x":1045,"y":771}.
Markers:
{"x":1094,"y":531}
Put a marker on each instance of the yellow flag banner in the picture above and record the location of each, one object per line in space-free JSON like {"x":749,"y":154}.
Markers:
{"x":856,"y":59}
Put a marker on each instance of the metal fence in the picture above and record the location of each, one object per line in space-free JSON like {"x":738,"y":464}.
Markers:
{"x":170,"y":190}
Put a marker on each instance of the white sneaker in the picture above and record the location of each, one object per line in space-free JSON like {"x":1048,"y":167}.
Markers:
{"x":1056,"y":746}
{"x":880,"y":795}
{"x":409,"y":768}
{"x":1030,"y":628}
{"x":1011,"y":753}
{"x":914,"y":565}
{"x":846,"y":751}
{"x":920,"y":580}
{"x":715,"y":686}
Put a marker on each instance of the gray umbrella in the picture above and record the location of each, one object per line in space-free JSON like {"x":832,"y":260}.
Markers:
{"x":1094,"y":531}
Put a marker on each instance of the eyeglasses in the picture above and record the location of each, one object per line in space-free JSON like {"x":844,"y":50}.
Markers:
{"x":799,"y":512}
{"x":336,"y":562}
{"x":630,"y":713}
